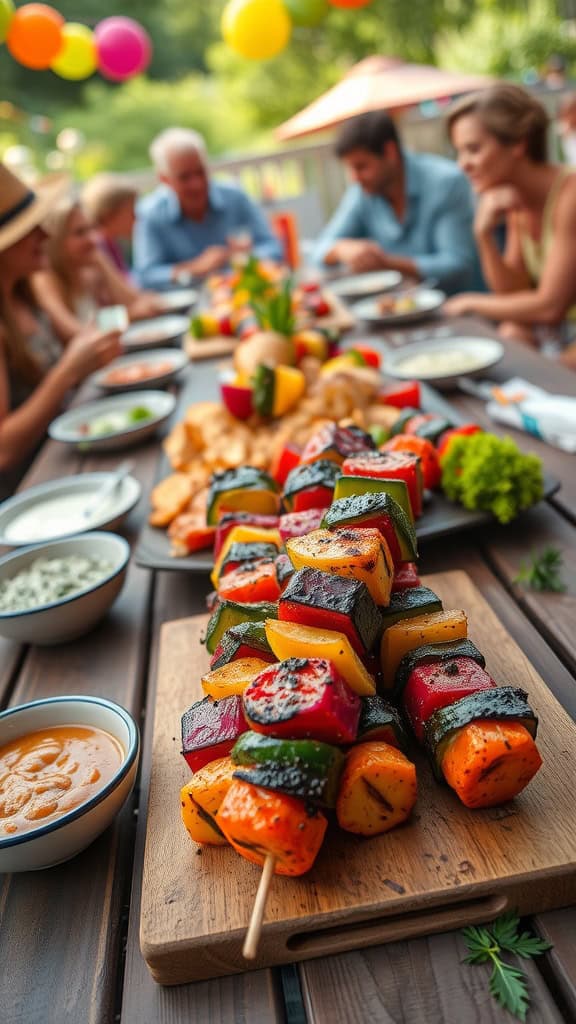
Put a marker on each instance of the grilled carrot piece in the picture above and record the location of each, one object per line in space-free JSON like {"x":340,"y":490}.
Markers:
{"x":488,"y":762}
{"x":250,"y":583}
{"x":377,"y":789}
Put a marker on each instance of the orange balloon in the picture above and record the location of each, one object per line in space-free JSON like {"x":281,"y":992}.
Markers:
{"x":35,"y":35}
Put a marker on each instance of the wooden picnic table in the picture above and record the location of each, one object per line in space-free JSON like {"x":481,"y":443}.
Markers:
{"x":69,"y":936}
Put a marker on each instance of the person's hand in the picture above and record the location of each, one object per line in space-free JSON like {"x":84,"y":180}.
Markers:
{"x":460,"y":305}
{"x":493,"y":207}
{"x":214,"y":257}
{"x":88,"y":352}
{"x":360,"y":255}
{"x":146,"y":304}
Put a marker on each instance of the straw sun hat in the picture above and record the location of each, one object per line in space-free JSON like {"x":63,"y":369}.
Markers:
{"x":21,"y":209}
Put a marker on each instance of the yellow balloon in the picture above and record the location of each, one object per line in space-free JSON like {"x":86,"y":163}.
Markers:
{"x":256,"y":29}
{"x":77,"y":57}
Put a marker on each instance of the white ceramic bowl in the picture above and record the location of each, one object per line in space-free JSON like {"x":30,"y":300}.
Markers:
{"x":72,"y":616}
{"x":454,"y":358}
{"x":426,"y":301}
{"x":61,"y":839}
{"x":359,"y":285}
{"x":157,"y":357}
{"x":17,"y":529}
{"x":180,"y":300}
{"x":68,"y":427}
{"x":162,"y":330}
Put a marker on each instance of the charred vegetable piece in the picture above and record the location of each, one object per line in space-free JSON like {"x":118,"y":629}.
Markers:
{"x":244,"y":535}
{"x":246,"y":640}
{"x":233,"y":678}
{"x":333,"y":443}
{"x":310,"y":486}
{"x":487,"y":763}
{"x":406,"y":576}
{"x":201,"y":799}
{"x":427,"y":425}
{"x":380,"y":720}
{"x":284,"y":570}
{"x":303,"y":768}
{"x":400,"y":423}
{"x":290,"y":640}
{"x":244,"y":488}
{"x":315,"y":598}
{"x":301,"y":698}
{"x":357,"y":553}
{"x":231,"y":519}
{"x":410,"y":602}
{"x":251,"y":582}
{"x":431,"y":653}
{"x":257,"y":822}
{"x":239,"y":554}
{"x":391,"y":466}
{"x":210,"y":730}
{"x":376,"y":511}
{"x":377,"y":790}
{"x":408,"y":634}
{"x":501,"y":704}
{"x":297,"y":524}
{"x":347,"y":486}
{"x":432,"y":686}
{"x":230,"y":613}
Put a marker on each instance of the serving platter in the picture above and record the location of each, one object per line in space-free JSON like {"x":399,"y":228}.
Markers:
{"x":446,"y":868}
{"x":69,"y":427}
{"x":161,"y":330}
{"x":167,"y":362}
{"x":357,"y":286}
{"x":426,"y":300}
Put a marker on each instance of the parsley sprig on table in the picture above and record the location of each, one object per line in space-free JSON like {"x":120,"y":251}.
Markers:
{"x":543,"y":572}
{"x":507,"y":983}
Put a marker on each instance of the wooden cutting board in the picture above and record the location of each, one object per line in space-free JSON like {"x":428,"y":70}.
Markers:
{"x":448,"y":867}
{"x":340,"y":319}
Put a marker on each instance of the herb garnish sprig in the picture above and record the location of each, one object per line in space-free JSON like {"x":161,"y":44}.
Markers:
{"x":507,"y":983}
{"x":543,"y":571}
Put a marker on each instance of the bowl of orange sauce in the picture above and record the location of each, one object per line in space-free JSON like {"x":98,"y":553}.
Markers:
{"x":67,"y":767}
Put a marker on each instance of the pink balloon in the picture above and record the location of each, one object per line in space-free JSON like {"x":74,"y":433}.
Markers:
{"x":124,"y":48}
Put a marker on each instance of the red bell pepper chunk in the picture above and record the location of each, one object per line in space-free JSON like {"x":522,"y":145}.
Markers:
{"x":402,"y":396}
{"x":210,"y":729}
{"x":231,"y":519}
{"x":298,"y":524}
{"x":406,"y":575}
{"x":238,"y":399}
{"x":189,"y":532}
{"x":390,"y":466}
{"x":313,"y":498}
{"x":370,"y":354}
{"x":464,"y":431}
{"x":424,"y":449}
{"x":286,"y":459}
{"x":435,"y":685}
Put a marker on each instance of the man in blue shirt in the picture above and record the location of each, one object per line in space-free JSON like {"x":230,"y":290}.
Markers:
{"x":410,"y":212}
{"x":184,"y":229}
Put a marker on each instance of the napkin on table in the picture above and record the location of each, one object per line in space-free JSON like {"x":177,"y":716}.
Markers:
{"x":552,"y":418}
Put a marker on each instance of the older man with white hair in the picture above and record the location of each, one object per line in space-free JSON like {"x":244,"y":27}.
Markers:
{"x":184,"y":227}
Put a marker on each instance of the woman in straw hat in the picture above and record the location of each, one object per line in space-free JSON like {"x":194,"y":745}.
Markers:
{"x":500,"y":136}
{"x":36,"y":371}
{"x":80,"y":278}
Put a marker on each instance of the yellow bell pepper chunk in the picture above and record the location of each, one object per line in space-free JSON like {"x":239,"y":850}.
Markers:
{"x":359,"y":554}
{"x":292,"y":640}
{"x":243,"y":535}
{"x":408,"y":634}
{"x":201,"y":798}
{"x":289,"y":386}
{"x":232,"y":678}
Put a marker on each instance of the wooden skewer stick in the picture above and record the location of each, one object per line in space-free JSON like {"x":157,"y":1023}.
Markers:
{"x":252,"y":939}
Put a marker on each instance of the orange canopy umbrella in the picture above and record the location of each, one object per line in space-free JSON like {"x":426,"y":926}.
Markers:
{"x":378,"y":83}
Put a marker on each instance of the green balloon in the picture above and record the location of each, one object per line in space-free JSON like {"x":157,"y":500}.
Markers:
{"x":305,"y":12}
{"x":6,"y":15}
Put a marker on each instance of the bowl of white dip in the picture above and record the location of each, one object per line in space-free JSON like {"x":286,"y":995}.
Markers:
{"x":442,"y":361}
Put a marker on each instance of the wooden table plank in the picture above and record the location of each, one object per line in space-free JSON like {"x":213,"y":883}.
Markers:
{"x":559,"y":928}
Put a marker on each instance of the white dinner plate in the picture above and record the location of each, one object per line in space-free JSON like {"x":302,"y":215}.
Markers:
{"x":181,"y":300}
{"x":53,"y":510}
{"x":426,"y":301}
{"x":362,"y":285}
{"x":176,"y":358}
{"x":70,"y":427}
{"x":442,"y":361}
{"x":162,"y":330}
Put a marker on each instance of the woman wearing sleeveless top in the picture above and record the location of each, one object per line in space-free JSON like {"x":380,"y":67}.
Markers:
{"x":500,"y":136}
{"x":36,"y":370}
{"x":80,"y":278}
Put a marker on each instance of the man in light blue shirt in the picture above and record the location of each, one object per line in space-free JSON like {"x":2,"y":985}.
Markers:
{"x":184,"y":229}
{"x":410,"y":212}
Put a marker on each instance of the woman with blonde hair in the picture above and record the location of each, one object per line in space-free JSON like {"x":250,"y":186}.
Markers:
{"x":500,"y":136}
{"x":80,"y":278}
{"x":36,"y":370}
{"x":110,"y":204}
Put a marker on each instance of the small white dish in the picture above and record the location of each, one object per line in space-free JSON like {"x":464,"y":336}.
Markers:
{"x":54,"y":510}
{"x":442,"y":361}
{"x":160,"y":358}
{"x":362,"y":285}
{"x":180,"y":300}
{"x":59,"y":840}
{"x":425,"y":301}
{"x":69,"y":617}
{"x":70,"y":427}
{"x":162,"y":330}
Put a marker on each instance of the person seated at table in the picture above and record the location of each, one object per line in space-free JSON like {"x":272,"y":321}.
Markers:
{"x":404,"y":211}
{"x":500,"y":136}
{"x":36,"y":370}
{"x":80,"y":279}
{"x":185,"y":227}
{"x":109,"y":202}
